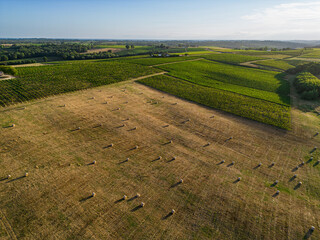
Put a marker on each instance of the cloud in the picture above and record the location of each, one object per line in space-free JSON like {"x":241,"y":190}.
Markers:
{"x":295,"y":20}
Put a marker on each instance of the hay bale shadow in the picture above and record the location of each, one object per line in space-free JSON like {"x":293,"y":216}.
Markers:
{"x":136,"y":208}
{"x":275,"y":195}
{"x":133,"y":198}
{"x":123,"y":162}
{"x":297,"y":186}
{"x":16,"y":179}
{"x":167,"y":216}
{"x":295,"y":169}
{"x":171,"y":160}
{"x":86,"y":198}
{"x":308,"y":234}
{"x":292,"y":178}
{"x":256,"y":167}
{"x":175,"y":184}
{"x":119,"y":200}
{"x":316,"y":164}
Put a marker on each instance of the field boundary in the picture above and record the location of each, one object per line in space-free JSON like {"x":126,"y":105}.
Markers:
{"x":7,"y":226}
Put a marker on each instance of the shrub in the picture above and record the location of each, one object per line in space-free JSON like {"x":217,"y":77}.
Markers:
{"x":8,"y":70}
{"x":308,"y":84}
{"x":310,"y":95}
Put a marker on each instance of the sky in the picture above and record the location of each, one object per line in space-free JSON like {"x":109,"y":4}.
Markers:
{"x":161,"y":19}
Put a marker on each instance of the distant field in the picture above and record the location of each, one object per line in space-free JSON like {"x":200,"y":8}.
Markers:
{"x":158,"y":60}
{"x":231,"y":58}
{"x":256,"y":109}
{"x":278,"y":64}
{"x":197,"y":52}
{"x":312,"y":54}
{"x":247,"y":81}
{"x":115,"y":46}
{"x":38,"y":82}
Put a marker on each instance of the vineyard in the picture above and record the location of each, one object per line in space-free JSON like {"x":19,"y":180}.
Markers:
{"x":253,"y":108}
{"x":257,"y":83}
{"x":159,"y":60}
{"x":38,"y":82}
{"x":231,"y":58}
{"x":278,"y":64}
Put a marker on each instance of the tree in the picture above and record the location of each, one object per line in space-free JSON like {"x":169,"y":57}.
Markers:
{"x":4,"y":58}
{"x":45,"y":59}
{"x":132,"y":46}
{"x":127,"y":47}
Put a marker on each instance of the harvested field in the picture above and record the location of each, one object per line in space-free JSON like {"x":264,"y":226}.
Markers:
{"x":56,"y":200}
{"x":97,"y":50}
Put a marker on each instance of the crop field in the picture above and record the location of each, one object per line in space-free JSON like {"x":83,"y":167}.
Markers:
{"x":311,"y":54}
{"x":196,"y":52}
{"x":247,"y":81}
{"x":278,"y":64}
{"x":159,"y":60}
{"x":38,"y":82}
{"x":231,"y":58}
{"x":253,"y":108}
{"x":56,"y":139}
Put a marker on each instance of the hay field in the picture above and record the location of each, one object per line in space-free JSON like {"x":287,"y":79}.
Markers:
{"x":53,"y":201}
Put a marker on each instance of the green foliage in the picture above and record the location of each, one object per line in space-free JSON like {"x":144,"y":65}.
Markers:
{"x":8,"y":70}
{"x":267,"y":85}
{"x":231,"y":58}
{"x":43,"y":81}
{"x":256,"y":109}
{"x":279,"y":64}
{"x":312,"y":67}
{"x":308,"y":85}
{"x":310,"y":95}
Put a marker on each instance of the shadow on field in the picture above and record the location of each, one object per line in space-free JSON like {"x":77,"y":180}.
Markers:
{"x":86,"y":198}
{"x":308,"y":234}
{"x":284,"y":89}
{"x":316,"y":164}
{"x":3,"y":179}
{"x":292,"y":178}
{"x":175,"y":185}
{"x":15,"y":179}
{"x":123,"y":162}
{"x":171,"y":160}
{"x":119,"y":200}
{"x":133,"y":198}
{"x":136,"y":208}
{"x":167,"y":216}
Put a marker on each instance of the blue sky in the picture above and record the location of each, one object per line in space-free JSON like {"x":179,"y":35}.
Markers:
{"x":161,"y":19}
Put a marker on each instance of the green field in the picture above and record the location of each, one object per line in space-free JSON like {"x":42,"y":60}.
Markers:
{"x":150,"y":61}
{"x":38,"y":82}
{"x":315,"y":53}
{"x":247,"y":81}
{"x":256,"y":109}
{"x":231,"y":58}
{"x":278,"y":64}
